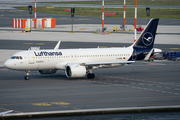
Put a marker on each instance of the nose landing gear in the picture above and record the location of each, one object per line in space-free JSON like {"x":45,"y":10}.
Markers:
{"x":27,"y":75}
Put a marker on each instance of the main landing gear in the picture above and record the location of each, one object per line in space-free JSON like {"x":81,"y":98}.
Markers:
{"x":27,"y":75}
{"x":90,"y":75}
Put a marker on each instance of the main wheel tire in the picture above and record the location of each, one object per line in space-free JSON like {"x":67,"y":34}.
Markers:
{"x":90,"y":75}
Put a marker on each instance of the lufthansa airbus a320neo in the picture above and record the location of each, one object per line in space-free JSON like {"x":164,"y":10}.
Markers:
{"x":80,"y":62}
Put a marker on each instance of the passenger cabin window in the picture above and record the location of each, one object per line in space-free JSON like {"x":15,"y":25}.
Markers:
{"x":16,"y":57}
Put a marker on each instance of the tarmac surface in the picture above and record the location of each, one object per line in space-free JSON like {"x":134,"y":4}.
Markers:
{"x":137,"y":85}
{"x":25,"y":44}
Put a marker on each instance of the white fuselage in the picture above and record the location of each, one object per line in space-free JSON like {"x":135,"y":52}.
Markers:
{"x":58,"y":59}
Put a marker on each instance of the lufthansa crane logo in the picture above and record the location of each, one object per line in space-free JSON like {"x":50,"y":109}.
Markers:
{"x":147,"y":39}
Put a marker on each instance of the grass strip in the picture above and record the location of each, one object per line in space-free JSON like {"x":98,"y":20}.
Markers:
{"x":97,"y":12}
{"x":128,"y":2}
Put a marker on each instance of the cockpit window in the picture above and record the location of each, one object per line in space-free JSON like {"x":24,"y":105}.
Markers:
{"x":13,"y":57}
{"x":16,"y":57}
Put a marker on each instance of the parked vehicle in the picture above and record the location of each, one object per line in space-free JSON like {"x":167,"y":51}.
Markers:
{"x":140,"y":28}
{"x":172,"y":56}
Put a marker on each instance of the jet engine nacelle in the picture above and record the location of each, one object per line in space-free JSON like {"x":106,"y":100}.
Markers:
{"x":47,"y":71}
{"x":75,"y":71}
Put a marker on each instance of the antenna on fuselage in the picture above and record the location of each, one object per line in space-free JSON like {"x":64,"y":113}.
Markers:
{"x":57,"y":46}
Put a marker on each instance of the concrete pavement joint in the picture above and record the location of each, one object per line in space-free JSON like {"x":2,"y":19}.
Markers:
{"x":135,"y":87}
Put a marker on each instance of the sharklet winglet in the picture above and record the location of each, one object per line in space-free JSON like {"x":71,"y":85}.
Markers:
{"x":57,"y":46}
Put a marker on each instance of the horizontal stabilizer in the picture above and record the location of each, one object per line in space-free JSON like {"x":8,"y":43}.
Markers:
{"x":148,"y":55}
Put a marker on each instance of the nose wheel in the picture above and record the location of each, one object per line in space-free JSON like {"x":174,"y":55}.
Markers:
{"x":27,"y":75}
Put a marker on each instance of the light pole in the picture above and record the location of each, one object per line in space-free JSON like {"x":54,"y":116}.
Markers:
{"x":35,"y":15}
{"x":30,"y":13}
{"x":124,"y":15}
{"x":72,"y":15}
{"x":135,"y":21}
{"x":102,"y":15}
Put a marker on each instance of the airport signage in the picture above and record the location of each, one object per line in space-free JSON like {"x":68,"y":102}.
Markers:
{"x":30,"y":9}
{"x":72,"y":12}
{"x":148,"y":11}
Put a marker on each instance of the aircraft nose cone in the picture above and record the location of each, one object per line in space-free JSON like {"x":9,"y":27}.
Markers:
{"x":8,"y":64}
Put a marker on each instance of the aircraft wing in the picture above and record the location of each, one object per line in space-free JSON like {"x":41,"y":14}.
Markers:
{"x":108,"y":64}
